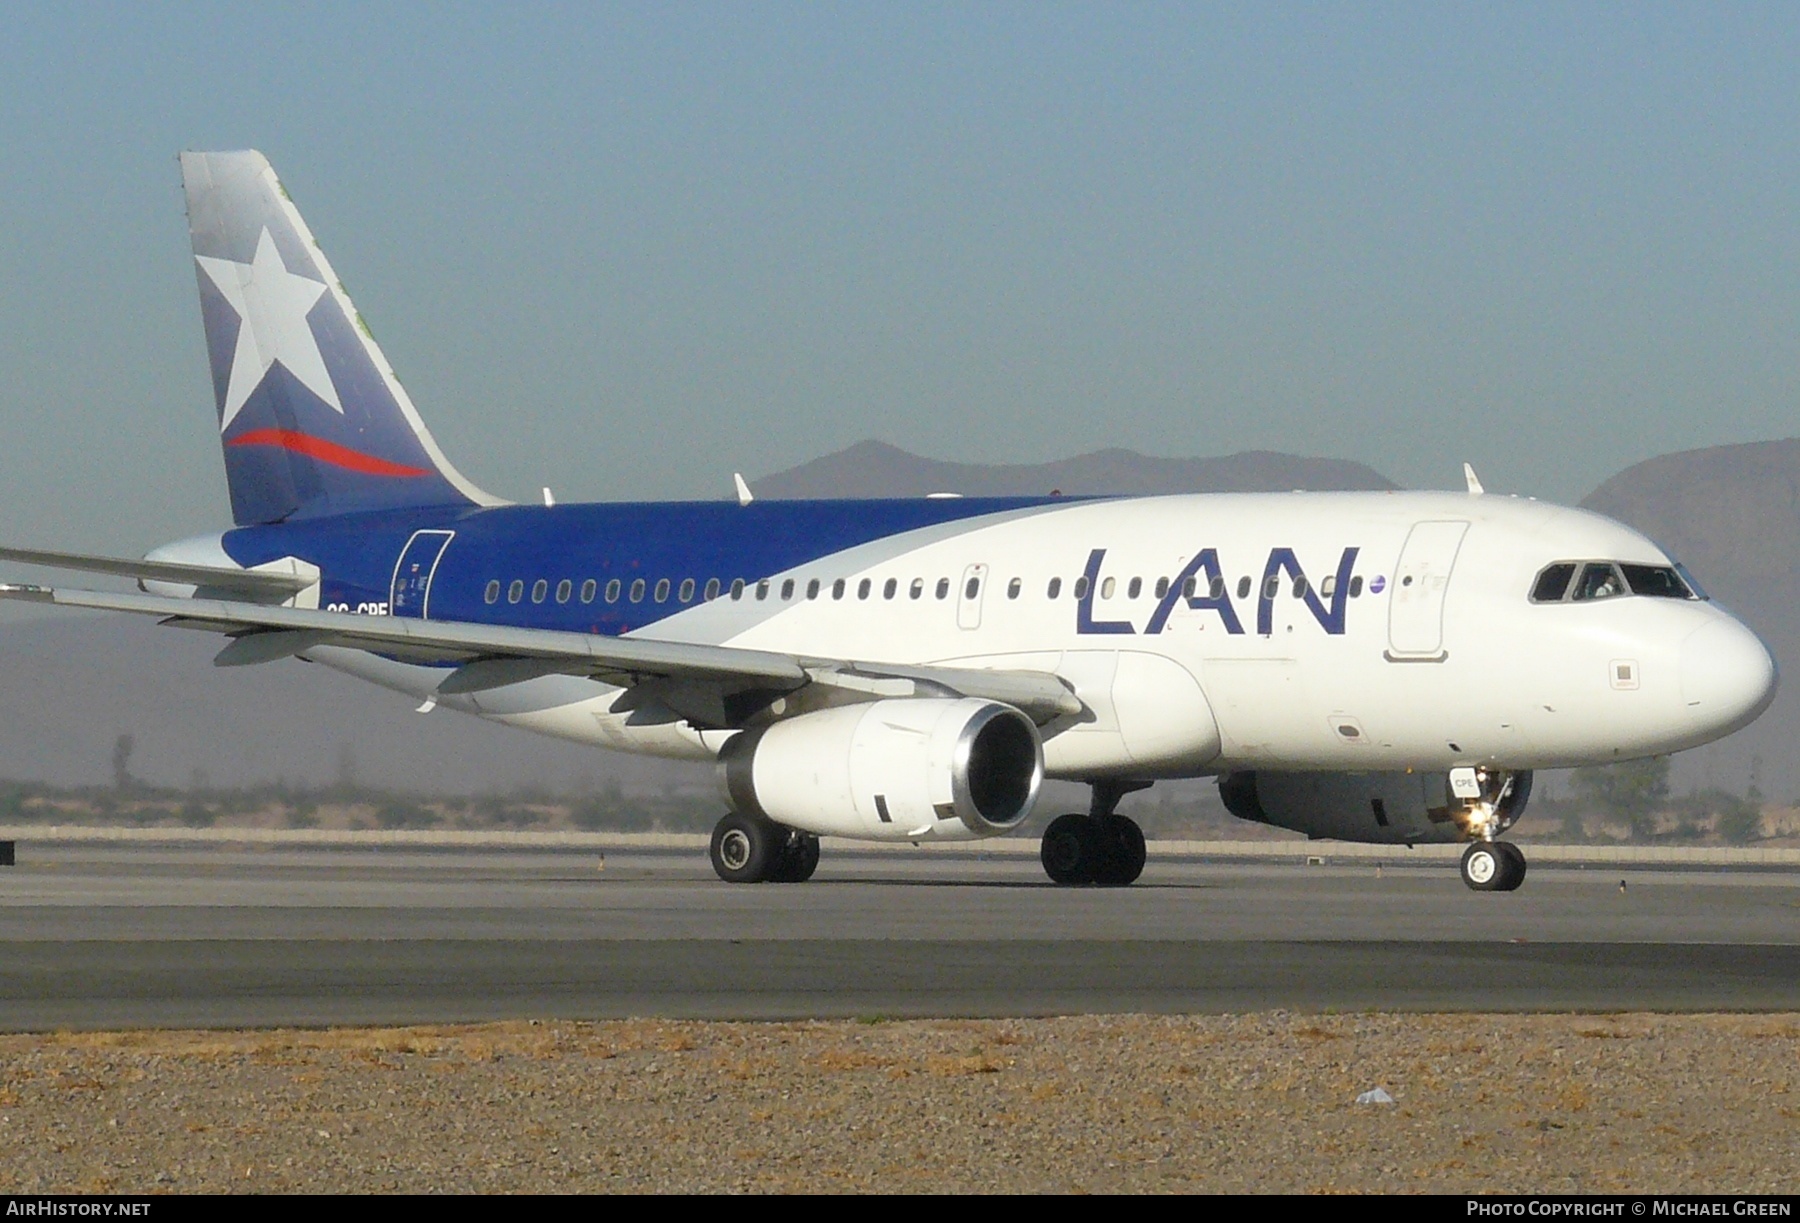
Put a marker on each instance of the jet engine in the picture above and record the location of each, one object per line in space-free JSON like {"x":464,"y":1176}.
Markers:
{"x":1382,"y":808}
{"x":901,"y":770}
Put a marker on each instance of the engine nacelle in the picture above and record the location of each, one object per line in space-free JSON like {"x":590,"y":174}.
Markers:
{"x":895,"y":770}
{"x":1382,"y":808}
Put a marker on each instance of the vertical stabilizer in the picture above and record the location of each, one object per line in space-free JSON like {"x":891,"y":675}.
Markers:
{"x":311,"y":417}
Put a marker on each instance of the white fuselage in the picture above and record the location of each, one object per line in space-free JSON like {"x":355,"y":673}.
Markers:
{"x":1424,"y":649}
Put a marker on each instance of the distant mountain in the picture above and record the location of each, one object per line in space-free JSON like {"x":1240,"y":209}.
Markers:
{"x":1731,"y":514}
{"x":876,"y":469}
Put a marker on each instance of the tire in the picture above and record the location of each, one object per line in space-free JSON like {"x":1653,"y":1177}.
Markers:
{"x":1069,"y":850}
{"x":798,"y":860}
{"x":1514,"y":874}
{"x":1485,"y":866}
{"x":746,"y":849}
{"x":1123,"y":858}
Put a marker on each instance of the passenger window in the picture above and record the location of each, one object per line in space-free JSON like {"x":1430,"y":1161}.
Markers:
{"x":1244,"y":587}
{"x":1162,"y":587}
{"x":943,"y":588}
{"x":492,"y":593}
{"x":1189,"y":586}
{"x":1055,"y":588}
{"x":737,"y":589}
{"x":889,"y":588}
{"x":564,"y":589}
{"x":1598,"y":581}
{"x":1081,"y":587}
{"x":1356,"y":586}
{"x":1216,"y":588}
{"x":972,"y":588}
{"x":1107,"y":587}
{"x":589,"y":589}
{"x":812,"y":589}
{"x":539,"y":589}
{"x":917,"y":590}
{"x":712,"y":589}
{"x":1012,"y":588}
{"x":662,"y":590}
{"x":762,"y":590}
{"x":837,"y":589}
{"x":863,"y":588}
{"x":1300,"y":587}
{"x":686,"y":593}
{"x":787,"y":590}
{"x":1329,"y":586}
{"x":637,"y":591}
{"x":612,"y":591}
{"x":515,"y":592}
{"x":1552,"y":584}
{"x":1271,"y":586}
{"x":1135,"y":589}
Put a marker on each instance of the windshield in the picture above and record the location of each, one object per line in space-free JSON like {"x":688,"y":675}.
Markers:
{"x":1591,"y":581}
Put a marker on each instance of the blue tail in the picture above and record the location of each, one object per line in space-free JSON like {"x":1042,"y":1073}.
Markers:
{"x":312,"y":419}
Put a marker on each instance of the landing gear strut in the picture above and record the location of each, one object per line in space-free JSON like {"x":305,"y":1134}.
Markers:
{"x":1493,"y":866}
{"x":1101,"y":847}
{"x":755,"y":849}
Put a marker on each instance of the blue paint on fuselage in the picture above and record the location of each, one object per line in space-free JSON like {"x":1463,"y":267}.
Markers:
{"x":356,"y":553}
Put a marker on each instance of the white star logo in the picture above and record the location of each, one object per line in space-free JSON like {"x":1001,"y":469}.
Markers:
{"x":272,"y":304}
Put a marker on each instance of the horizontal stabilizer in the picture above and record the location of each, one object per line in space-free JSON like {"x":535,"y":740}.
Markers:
{"x":252,"y":582}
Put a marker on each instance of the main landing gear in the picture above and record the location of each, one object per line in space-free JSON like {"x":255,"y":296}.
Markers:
{"x":1493,"y":866}
{"x":755,"y":849}
{"x":1101,"y":847}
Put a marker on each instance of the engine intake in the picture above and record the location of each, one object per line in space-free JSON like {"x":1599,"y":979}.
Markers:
{"x":903,"y":770}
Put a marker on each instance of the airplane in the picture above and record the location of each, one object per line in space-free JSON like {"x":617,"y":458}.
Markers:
{"x":1384,"y":667}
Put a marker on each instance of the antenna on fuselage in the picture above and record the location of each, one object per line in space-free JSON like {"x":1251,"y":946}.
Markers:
{"x":1474,"y":481}
{"x":745,"y":497}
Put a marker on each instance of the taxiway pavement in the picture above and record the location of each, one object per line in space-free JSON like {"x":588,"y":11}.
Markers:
{"x":105,"y":936}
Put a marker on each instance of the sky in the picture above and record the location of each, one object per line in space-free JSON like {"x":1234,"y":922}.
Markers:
{"x":623,"y":251}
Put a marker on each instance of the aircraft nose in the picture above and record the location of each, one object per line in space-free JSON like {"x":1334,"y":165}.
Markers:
{"x":1727,"y":675}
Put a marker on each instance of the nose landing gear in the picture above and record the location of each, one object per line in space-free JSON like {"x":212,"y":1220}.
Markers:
{"x":1493,"y":866}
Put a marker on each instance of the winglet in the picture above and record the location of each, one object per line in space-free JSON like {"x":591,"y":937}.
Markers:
{"x":743,"y":490}
{"x":1474,"y":481}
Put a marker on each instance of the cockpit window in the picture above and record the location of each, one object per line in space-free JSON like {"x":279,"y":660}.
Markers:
{"x":1589,"y":581}
{"x":1598,"y":580}
{"x":1553,"y":583}
{"x":1656,"y":581}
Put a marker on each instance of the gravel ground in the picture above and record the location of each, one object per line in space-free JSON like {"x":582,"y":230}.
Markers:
{"x":1261,"y":1102}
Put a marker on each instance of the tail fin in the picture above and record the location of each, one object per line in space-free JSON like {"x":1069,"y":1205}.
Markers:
{"x":312,"y":419}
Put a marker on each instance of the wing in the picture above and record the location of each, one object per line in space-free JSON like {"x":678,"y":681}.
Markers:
{"x":712,"y":686}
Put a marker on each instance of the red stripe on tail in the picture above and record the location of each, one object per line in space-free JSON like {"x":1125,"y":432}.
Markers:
{"x":326,"y":452}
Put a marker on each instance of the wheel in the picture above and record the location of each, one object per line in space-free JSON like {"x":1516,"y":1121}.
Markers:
{"x":1122,"y":859}
{"x":798,"y":859}
{"x":1484,"y":865}
{"x":746,"y":848}
{"x":1070,"y":850}
{"x":1514,"y":874}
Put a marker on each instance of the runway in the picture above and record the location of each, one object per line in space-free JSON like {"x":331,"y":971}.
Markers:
{"x":97,"y":936}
